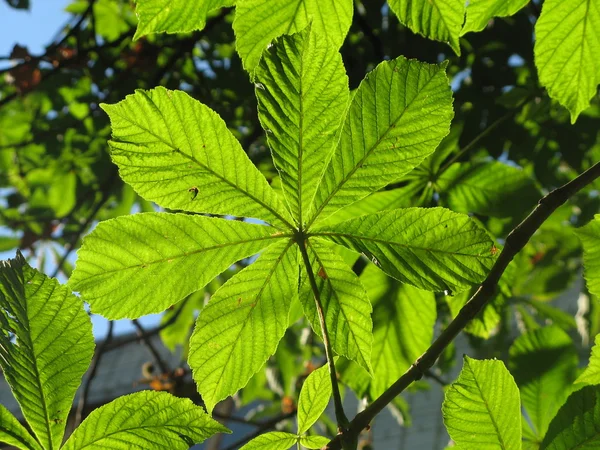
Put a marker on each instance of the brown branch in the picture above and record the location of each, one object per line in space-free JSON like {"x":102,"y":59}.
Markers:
{"x":162,"y":365}
{"x":515,"y":242}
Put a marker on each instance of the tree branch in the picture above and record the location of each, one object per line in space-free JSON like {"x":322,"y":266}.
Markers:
{"x":515,"y":242}
{"x":342,"y":420}
{"x":162,"y":365}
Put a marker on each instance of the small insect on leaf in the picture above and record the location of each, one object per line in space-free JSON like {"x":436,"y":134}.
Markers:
{"x":322,"y":273}
{"x":194,"y":192}
{"x":494,"y":250}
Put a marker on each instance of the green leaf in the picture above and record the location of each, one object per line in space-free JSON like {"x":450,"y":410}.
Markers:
{"x":480,"y":12}
{"x":482,"y":409}
{"x":543,"y":363}
{"x":314,"y":442}
{"x":8,"y":243}
{"x":397,"y":117}
{"x":490,"y":188}
{"x":143,"y":420}
{"x":590,"y":239}
{"x":567,"y":51}
{"x":258,"y":22}
{"x":15,"y":434}
{"x":591,"y":374}
{"x":242,"y":324}
{"x":345,"y":303}
{"x":314,"y":397}
{"x":174,"y":16}
{"x":178,"y":333}
{"x":403,"y":321}
{"x":52,"y":350}
{"x":559,"y":317}
{"x":62,"y":194}
{"x":274,"y":440}
{"x":577,"y":424}
{"x":486,"y":321}
{"x":302,"y":93}
{"x":177,"y":152}
{"x":142,"y":264}
{"x":431,"y":248}
{"x":440,"y":20}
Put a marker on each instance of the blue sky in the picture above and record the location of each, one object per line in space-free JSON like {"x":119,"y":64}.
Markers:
{"x":35,"y":29}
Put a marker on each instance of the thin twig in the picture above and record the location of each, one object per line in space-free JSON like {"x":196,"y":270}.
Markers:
{"x":340,"y":416}
{"x":100,"y":350}
{"x":263,"y":428}
{"x":164,"y":368}
{"x":515,"y":242}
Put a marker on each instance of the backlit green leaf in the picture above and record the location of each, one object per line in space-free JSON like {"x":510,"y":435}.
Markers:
{"x":591,"y":374}
{"x":177,"y":152}
{"x":577,"y":424}
{"x":314,"y":397}
{"x":480,"y":12}
{"x":258,"y":22}
{"x":141,"y":264}
{"x":274,"y":440}
{"x":543,"y":363}
{"x":174,"y":16}
{"x":15,"y":434}
{"x":51,"y":349}
{"x":397,"y":117}
{"x":567,"y":51}
{"x":144,"y":420}
{"x":314,"y":442}
{"x":440,"y":20}
{"x":431,"y":248}
{"x":302,"y":93}
{"x":403,"y":321}
{"x":590,"y":238}
{"x":242,"y":324}
{"x":482,"y":408}
{"x":345,"y":303}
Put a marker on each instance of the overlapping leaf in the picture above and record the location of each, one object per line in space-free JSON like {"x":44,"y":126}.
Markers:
{"x":15,"y":434}
{"x":314,"y":442}
{"x":591,"y":374}
{"x":346,"y":305}
{"x":141,"y":264}
{"x":273,"y":440}
{"x":258,"y":22}
{"x":567,"y":51}
{"x":433,"y":249}
{"x":480,"y":12}
{"x":403,"y":321}
{"x":302,"y":95}
{"x":242,"y":324}
{"x":590,"y":238}
{"x":482,"y":408}
{"x":174,"y":16}
{"x":440,"y":20}
{"x":397,"y":117}
{"x":177,"y":152}
{"x":543,"y":363}
{"x":314,"y":397}
{"x":144,"y":420}
{"x":577,"y":424}
{"x":51,"y":349}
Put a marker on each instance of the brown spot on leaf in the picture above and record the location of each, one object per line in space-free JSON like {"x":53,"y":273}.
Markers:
{"x":322,"y":273}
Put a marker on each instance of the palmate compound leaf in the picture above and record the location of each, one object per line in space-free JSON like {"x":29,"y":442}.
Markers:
{"x":174,"y":16}
{"x":258,"y":22}
{"x":576,"y":426}
{"x":567,"y":51}
{"x":274,"y":440}
{"x":143,"y":263}
{"x":543,"y":363}
{"x":302,"y":92}
{"x":240,"y":327}
{"x":396,"y":118}
{"x":145,"y":420}
{"x":403,"y":321}
{"x":345,"y":303}
{"x":314,"y":397}
{"x":177,"y":152}
{"x":591,"y":374}
{"x":482,"y":410}
{"x":440,"y":20}
{"x":431,"y":248}
{"x":51,"y":350}
{"x":590,"y":238}
{"x":480,"y":12}
{"x":15,"y":434}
